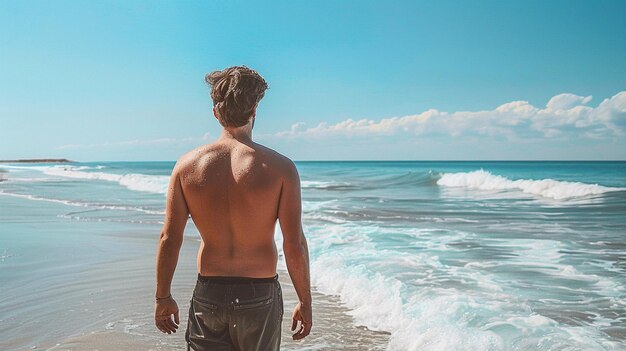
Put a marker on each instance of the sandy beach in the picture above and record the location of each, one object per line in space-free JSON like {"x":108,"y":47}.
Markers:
{"x":107,"y":303}
{"x":135,"y":331}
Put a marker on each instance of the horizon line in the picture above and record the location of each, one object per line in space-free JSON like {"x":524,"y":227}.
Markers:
{"x":43,"y":160}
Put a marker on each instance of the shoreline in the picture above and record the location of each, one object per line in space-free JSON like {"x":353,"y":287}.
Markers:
{"x":330,"y":317}
{"x":333,"y":327}
{"x":102,"y":299}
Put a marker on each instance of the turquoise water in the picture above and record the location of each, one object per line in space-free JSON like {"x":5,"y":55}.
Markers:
{"x":442,"y":255}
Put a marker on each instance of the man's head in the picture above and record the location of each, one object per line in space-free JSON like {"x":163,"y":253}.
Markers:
{"x":236,"y":92}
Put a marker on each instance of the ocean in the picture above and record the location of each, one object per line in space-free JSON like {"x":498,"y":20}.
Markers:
{"x":435,"y":255}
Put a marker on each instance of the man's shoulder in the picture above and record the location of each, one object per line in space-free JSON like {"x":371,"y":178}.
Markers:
{"x":203,"y":155}
{"x":191,"y":157}
{"x":280,"y":161}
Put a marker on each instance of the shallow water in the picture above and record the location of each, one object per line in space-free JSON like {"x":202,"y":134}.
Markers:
{"x":434,"y":255}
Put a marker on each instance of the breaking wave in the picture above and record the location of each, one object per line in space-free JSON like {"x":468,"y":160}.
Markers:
{"x":133,"y":181}
{"x":550,"y":188}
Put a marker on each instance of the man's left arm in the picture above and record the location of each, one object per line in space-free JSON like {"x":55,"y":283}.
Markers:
{"x":170,"y":242}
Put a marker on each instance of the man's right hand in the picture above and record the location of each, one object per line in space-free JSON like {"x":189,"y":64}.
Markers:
{"x":304,"y":314}
{"x":164,"y":310}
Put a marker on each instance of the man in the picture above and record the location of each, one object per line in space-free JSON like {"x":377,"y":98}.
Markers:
{"x":235,"y":190}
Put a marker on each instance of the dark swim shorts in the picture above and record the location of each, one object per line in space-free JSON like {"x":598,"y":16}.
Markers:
{"x":235,"y":313}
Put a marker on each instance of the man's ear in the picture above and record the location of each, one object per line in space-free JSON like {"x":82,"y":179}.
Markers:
{"x":215,"y":112}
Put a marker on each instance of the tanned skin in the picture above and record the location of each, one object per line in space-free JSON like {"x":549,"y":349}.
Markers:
{"x":235,"y":190}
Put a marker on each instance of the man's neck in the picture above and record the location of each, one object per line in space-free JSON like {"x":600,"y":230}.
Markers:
{"x":242,"y":134}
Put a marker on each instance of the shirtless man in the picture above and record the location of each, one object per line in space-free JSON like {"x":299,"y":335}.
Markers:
{"x":235,"y":190}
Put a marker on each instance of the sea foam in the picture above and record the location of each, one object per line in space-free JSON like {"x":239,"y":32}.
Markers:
{"x":133,"y":181}
{"x":550,"y":188}
{"x":376,"y":302}
{"x":450,"y":307}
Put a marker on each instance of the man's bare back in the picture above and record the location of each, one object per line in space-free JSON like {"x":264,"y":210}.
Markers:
{"x":235,"y":190}
{"x":232,"y":190}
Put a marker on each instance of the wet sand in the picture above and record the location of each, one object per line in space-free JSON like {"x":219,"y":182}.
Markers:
{"x":124,"y":305}
{"x":333,"y":330}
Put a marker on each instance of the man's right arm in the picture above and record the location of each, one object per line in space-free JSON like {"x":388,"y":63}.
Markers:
{"x":296,"y":249}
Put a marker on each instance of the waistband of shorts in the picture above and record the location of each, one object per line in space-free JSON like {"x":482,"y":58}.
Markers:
{"x":218,"y":279}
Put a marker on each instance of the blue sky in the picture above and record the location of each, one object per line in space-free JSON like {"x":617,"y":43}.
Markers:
{"x":123,"y":80}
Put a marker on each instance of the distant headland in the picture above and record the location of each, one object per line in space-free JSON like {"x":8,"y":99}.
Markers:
{"x":38,"y":160}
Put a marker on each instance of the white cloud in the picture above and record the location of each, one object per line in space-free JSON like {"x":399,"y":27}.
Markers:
{"x":564,"y":114}
{"x":138,"y":142}
{"x":567,"y":101}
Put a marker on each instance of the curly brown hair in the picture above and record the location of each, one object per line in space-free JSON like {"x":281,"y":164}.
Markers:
{"x":236,"y":92}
